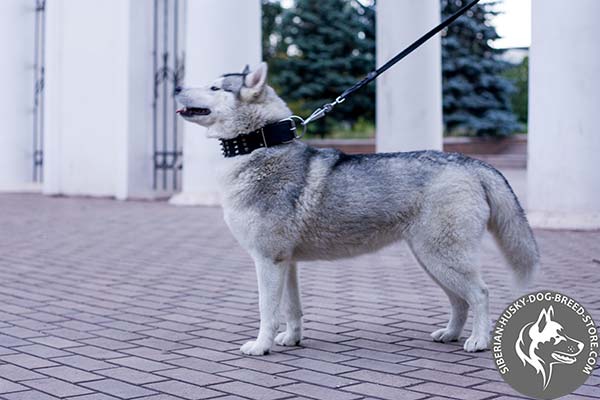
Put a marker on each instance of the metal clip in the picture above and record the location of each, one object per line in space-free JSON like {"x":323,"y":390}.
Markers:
{"x":317,"y":114}
{"x":321,"y":111}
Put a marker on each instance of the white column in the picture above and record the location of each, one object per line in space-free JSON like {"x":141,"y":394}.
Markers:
{"x":98,"y":97}
{"x":16,"y":94}
{"x":564,"y":119}
{"x":409,"y":95}
{"x":221,"y":36}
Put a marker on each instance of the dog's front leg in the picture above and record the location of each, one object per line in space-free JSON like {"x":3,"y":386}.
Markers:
{"x":270,"y":276}
{"x":291,"y":306}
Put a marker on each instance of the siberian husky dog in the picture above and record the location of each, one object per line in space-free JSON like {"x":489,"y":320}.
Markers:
{"x":292,"y":202}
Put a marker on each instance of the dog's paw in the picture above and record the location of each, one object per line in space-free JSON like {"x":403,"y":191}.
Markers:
{"x":287,"y":339}
{"x":445,"y":335}
{"x":254,"y":348}
{"x":477,"y":343}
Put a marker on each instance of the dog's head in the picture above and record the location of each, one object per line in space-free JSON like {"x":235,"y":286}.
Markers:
{"x":544,"y":343}
{"x":233,"y":104}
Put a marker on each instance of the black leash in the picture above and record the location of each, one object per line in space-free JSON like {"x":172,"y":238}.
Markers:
{"x":371,"y":76}
{"x":284,"y":131}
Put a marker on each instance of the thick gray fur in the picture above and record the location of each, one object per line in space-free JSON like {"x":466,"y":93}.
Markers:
{"x":293,"y":203}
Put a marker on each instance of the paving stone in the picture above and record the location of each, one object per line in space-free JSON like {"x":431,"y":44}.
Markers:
{"x":320,"y":366}
{"x":212,"y":344}
{"x":316,"y":378}
{"x":95,"y":396}
{"x":378,"y":355}
{"x":16,"y":374}
{"x":320,"y":355}
{"x":151,"y":354}
{"x":96,"y":352}
{"x":185,"y":390}
{"x":131,"y":375}
{"x":444,"y":377}
{"x":250,"y":391}
{"x":41,"y":351}
{"x":167,"y":397}
{"x":260,"y":365}
{"x":19,"y":332}
{"x":192,"y":376}
{"x":8,"y":386}
{"x":441,"y":366}
{"x":381,"y":378}
{"x":109,"y":344}
{"x":27,"y":361}
{"x":319,"y":392}
{"x":377,"y":366}
{"x":56,"y":387}
{"x":160,"y":344}
{"x":258,"y":378}
{"x":201,"y":365}
{"x":141,"y":363}
{"x":57,"y":342}
{"x":384,"y":392}
{"x":207,"y":354}
{"x":85,"y":363}
{"x":451,"y":391}
{"x":28,"y":395}
{"x":10,"y":341}
{"x":69,"y":374}
{"x":70,"y":334}
{"x":118,"y":389}
{"x":4,"y":351}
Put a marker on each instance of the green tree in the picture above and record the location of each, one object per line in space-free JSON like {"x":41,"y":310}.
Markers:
{"x":271,"y":20}
{"x":477,"y":97}
{"x":317,"y":49}
{"x":519,"y":75}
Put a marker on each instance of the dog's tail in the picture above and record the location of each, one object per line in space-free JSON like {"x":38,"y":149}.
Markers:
{"x":509,"y":226}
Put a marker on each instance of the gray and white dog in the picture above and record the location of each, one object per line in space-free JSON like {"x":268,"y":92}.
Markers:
{"x":292,"y":202}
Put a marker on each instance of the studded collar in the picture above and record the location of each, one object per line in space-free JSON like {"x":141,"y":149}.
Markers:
{"x":269,"y":135}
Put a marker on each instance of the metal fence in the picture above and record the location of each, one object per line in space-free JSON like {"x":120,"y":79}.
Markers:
{"x":168,"y":73}
{"x":38,"y":89}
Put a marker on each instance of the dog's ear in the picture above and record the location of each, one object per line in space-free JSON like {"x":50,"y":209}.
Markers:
{"x":255,"y":80}
{"x":544,"y":318}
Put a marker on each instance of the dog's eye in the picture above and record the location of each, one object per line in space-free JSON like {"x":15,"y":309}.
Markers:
{"x":215,"y":88}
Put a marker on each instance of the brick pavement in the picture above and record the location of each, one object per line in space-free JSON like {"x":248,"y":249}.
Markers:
{"x":104,"y":300}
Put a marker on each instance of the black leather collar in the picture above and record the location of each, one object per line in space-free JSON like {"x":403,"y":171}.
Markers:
{"x":269,"y":135}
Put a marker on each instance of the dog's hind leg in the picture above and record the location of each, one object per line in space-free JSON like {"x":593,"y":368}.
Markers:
{"x":458,"y":315}
{"x":270,"y":276}
{"x":291,"y":307}
{"x":459,"y":309}
{"x":460,"y":279}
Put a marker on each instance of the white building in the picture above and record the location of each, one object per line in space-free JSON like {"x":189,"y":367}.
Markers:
{"x":104,"y":122}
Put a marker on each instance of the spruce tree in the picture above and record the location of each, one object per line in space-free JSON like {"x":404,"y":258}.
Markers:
{"x":476,"y":95}
{"x":321,"y":48}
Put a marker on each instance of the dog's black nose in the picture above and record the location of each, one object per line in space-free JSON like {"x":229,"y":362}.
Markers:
{"x":177,"y":89}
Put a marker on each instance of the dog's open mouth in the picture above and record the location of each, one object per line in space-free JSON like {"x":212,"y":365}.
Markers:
{"x":193,"y":111}
{"x":563,"y":358}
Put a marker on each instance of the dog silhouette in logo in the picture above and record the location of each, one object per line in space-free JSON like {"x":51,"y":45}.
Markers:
{"x":544,"y":343}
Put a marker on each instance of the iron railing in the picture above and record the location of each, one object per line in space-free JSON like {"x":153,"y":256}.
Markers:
{"x":39,"y":61}
{"x":168,"y":73}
